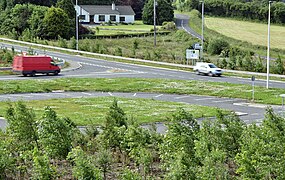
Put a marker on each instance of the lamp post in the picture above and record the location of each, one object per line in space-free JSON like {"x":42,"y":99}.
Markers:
{"x":202,"y":38}
{"x":268,"y":46}
{"x":154,"y":21}
{"x":76,"y":27}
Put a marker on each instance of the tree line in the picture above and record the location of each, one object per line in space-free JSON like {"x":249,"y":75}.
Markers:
{"x":245,"y":9}
{"x":51,"y":147}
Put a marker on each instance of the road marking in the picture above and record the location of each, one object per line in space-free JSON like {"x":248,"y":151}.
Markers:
{"x":135,"y":94}
{"x":202,"y":99}
{"x":110,"y":94}
{"x":255,"y":114}
{"x":181,"y":97}
{"x":227,"y":100}
{"x":158,"y":95}
{"x":86,"y":93}
{"x":241,"y":113}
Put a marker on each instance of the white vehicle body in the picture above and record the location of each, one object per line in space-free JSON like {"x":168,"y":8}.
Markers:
{"x":207,"y":68}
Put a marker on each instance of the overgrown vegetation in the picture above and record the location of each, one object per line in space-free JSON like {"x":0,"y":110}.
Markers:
{"x":224,"y":148}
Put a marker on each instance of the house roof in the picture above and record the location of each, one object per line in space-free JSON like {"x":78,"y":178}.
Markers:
{"x":119,"y":10}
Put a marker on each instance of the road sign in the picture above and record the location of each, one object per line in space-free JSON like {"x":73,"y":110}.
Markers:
{"x":197,"y":46}
{"x":192,"y":54}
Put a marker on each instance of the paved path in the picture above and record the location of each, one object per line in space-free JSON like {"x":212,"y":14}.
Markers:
{"x":248,"y":112}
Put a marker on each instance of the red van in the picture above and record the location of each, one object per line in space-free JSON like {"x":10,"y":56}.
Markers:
{"x":30,"y":65}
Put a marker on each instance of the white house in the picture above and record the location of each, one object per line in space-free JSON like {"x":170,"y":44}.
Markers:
{"x":102,"y":13}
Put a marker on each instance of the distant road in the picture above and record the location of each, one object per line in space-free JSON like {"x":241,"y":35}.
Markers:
{"x":182,"y":22}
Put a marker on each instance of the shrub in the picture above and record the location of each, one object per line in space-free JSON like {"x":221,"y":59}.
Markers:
{"x":216,"y":46}
{"x":169,"y":26}
{"x":278,"y":66}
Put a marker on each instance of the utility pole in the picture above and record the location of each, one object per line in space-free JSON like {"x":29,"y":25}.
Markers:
{"x":268,"y":47}
{"x":202,"y":43}
{"x":76,"y":28}
{"x":154,"y":21}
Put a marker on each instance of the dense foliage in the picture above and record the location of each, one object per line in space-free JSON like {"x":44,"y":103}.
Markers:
{"x":51,"y":147}
{"x":254,"y":10}
{"x":164,"y":12}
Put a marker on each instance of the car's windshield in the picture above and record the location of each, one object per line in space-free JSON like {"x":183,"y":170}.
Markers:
{"x":212,"y":66}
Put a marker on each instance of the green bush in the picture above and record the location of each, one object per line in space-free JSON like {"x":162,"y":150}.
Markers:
{"x":216,"y":46}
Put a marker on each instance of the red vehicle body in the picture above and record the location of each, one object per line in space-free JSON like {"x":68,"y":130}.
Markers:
{"x":30,"y":65}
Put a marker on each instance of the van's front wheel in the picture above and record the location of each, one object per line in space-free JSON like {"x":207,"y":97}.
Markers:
{"x":33,"y":73}
{"x":56,"y":73}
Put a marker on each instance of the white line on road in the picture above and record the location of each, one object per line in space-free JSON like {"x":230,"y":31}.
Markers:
{"x":135,"y":94}
{"x":202,"y":99}
{"x":181,"y":97}
{"x":158,"y":95}
{"x":110,"y":94}
{"x":227,"y":100}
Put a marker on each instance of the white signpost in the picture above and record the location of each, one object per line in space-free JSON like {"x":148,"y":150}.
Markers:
{"x":192,"y":54}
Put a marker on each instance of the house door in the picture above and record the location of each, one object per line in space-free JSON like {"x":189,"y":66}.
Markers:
{"x":91,"y":19}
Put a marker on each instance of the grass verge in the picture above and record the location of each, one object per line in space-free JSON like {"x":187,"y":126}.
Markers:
{"x":84,"y":111}
{"x":220,"y":89}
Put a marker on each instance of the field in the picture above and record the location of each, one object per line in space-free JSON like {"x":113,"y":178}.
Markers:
{"x":84,"y":111}
{"x":255,"y":33}
{"x":137,"y":28}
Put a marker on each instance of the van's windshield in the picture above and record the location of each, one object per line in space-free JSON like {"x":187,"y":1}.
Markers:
{"x":212,"y":66}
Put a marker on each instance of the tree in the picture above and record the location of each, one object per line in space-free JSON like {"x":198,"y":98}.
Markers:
{"x":164,"y":12}
{"x":55,"y":134}
{"x":22,"y":126}
{"x":84,"y":165}
{"x":56,"y":23}
{"x":68,"y":8}
{"x":258,"y":145}
{"x":115,"y":126}
{"x":177,"y":149}
{"x":186,"y":5}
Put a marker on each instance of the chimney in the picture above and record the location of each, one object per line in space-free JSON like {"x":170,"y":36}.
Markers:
{"x":113,"y":6}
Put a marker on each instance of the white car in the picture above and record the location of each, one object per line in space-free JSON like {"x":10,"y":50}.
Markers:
{"x":207,"y":68}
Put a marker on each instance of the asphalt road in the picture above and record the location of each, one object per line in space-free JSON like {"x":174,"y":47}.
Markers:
{"x":182,"y":22}
{"x":248,"y":112}
{"x":96,"y":68}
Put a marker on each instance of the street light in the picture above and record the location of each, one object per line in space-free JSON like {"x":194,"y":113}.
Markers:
{"x":268,"y":46}
{"x":202,"y":38}
{"x":76,"y":27}
{"x":154,"y":21}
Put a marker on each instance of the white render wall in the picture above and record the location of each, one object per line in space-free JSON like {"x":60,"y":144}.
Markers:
{"x":129,"y":19}
{"x":81,"y":11}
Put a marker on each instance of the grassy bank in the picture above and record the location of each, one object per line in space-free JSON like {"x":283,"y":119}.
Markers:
{"x":236,"y":38}
{"x":262,"y":95}
{"x":255,"y":33}
{"x":84,"y":111}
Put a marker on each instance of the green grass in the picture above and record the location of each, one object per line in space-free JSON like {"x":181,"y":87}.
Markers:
{"x":255,"y":33}
{"x":262,"y":95}
{"x":84,"y":111}
{"x":137,"y":26}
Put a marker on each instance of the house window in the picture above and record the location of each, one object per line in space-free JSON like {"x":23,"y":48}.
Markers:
{"x":122,"y":19}
{"x":102,"y":18}
{"x":81,"y":17}
{"x":113,"y":18}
